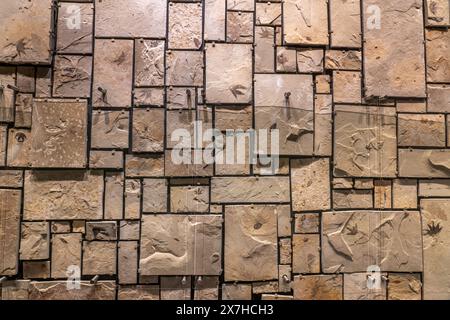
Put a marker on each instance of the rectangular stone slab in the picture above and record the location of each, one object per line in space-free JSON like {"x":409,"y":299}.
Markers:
{"x":392,"y":47}
{"x":66,"y":254}
{"x":254,"y":228}
{"x":434,"y":188}
{"x":345,"y":19}
{"x":63,"y":195}
{"x":354,"y":240}
{"x":249,"y":189}
{"x":26,"y":27}
{"x":185,"y":25}
{"x":424,"y":163}
{"x":215,"y":20}
{"x":34,"y":241}
{"x":420,"y":130}
{"x":181,"y":245}
{"x":99,"y":257}
{"x":57,"y":290}
{"x":228,"y":73}
{"x":9,"y":231}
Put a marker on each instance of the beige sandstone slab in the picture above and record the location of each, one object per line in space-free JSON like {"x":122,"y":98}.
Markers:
{"x":342,"y":183}
{"x":434,"y":188}
{"x":60,"y":226}
{"x":354,"y":240}
{"x":114,"y":191}
{"x":72,"y":76}
{"x":438,"y":53}
{"x":191,"y":169}
{"x":233,"y":117}
{"x":149,"y":62}
{"x":436,"y":256}
{"x":382,"y":194}
{"x":318,"y":287}
{"x":148,"y":130}
{"x":345,"y":20}
{"x":239,"y":26}
{"x":356,"y":287}
{"x":284,"y":221}
{"x":437,"y":13}
{"x":424,"y":163}
{"x":57,"y":290}
{"x":148,"y":97}
{"x":322,"y":83}
{"x":255,"y":229}
{"x":249,"y":189}
{"x":310,"y":60}
{"x":350,"y":60}
{"x":184,"y":68}
{"x":101,"y":230}
{"x":66,"y":255}
{"x":235,"y":291}
{"x":214,"y":13}
{"x":36,"y":269}
{"x":99,"y":257}
{"x":103,"y":159}
{"x":438,"y":98}
{"x":113,"y":72}
{"x":128,"y":262}
{"x":10,"y":206}
{"x":268,"y":13}
{"x":26,"y":30}
{"x":181,"y":245}
{"x":417,"y":130}
{"x":310,"y":184}
{"x":264,"y":49}
{"x":175,"y":288}
{"x":34,"y":241}
{"x":409,"y":105}
{"x":307,"y":223}
{"x":347,"y":87}
{"x":3,"y":144}
{"x":185,"y":25}
{"x":155,"y":195}
{"x":138,"y":292}
{"x":228,"y":73}
{"x":206,"y":288}
{"x":393,"y":46}
{"x":286,"y":60}
{"x":189,"y":199}
{"x":365,"y":141}
{"x":404,"y":193}
{"x":11,"y":178}
{"x":285,"y":249}
{"x":129,"y":229}
{"x":15,"y":290}
{"x":180,"y":98}
{"x":132,"y":199}
{"x":348,"y":199}
{"x":19,"y":147}
{"x":134,"y":18}
{"x":110,"y":129}
{"x":24,"y":108}
{"x":144,"y":165}
{"x":63,"y":195}
{"x":306,"y":253}
{"x":403,"y":286}
{"x":7,"y":77}
{"x":305,"y":22}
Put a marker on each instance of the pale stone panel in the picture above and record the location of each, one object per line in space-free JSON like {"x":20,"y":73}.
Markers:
{"x":57,"y":290}
{"x":215,"y":20}
{"x":318,"y":287}
{"x":424,"y":163}
{"x":66,"y":254}
{"x":355,"y":287}
{"x":420,"y":130}
{"x":9,"y":231}
{"x":345,"y":19}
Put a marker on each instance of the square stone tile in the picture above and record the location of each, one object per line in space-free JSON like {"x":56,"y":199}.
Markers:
{"x":184,"y":68}
{"x":72,"y":76}
{"x":185,"y":25}
{"x":99,"y":257}
{"x":148,"y":130}
{"x":110,"y":129}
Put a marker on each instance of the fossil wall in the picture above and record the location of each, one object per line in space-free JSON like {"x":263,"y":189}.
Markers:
{"x":91,"y":92}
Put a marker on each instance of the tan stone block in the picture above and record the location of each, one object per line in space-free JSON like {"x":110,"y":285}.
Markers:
{"x":181,"y":98}
{"x":404,"y":193}
{"x":175,"y":288}
{"x":79,"y":226}
{"x":310,"y":60}
{"x":206,"y":288}
{"x":306,"y":253}
{"x":354,"y":240}
{"x":236,"y":291}
{"x":63,"y":195}
{"x":417,"y":106}
{"x":284,"y":278}
{"x":186,"y":245}
{"x":15,"y":290}
{"x":434,"y":188}
{"x":307,"y":223}
{"x":266,"y":168}
{"x":101,"y":230}
{"x":70,"y":38}
{"x":36,"y":269}
{"x":177,"y":120}
{"x":318,"y":287}
{"x":110,"y":129}
{"x":43,"y":82}
{"x":66,"y":255}
{"x":129,"y":230}
{"x":215,"y":11}
{"x":155,"y":195}
{"x":228,"y":73}
{"x":57,"y":290}
{"x":350,"y":60}
{"x":424,"y":163}
{"x":148,"y":130}
{"x":255,"y":228}
{"x":26,"y":32}
{"x":138,"y":292}
{"x":382,"y":194}
{"x":113,"y":71}
{"x":264,"y":49}
{"x":149,"y":63}
{"x":114,"y":190}
{"x":305,"y":22}
{"x":128,"y":262}
{"x":34,"y":241}
{"x":25,"y":79}
{"x":286,"y":59}
{"x":438,"y":98}
{"x":24,"y":110}
{"x":356,"y":288}
{"x":323,"y":125}
{"x":19,"y":147}
{"x":438,"y":53}
{"x":345,"y":20}
{"x":347,"y":86}
{"x":364,"y":184}
{"x":149,"y":97}
{"x":134,"y":18}
{"x":10,"y":206}
{"x":239,"y":26}
{"x":284,"y":220}
{"x":11,"y":178}
{"x":268,"y":13}
{"x":418,"y":130}
{"x":393,"y":46}
{"x":348,"y":199}
{"x":60,"y":226}
{"x":323,"y":83}
{"x":173,"y":169}
{"x":437,"y":13}
{"x":132,"y":199}
{"x":310,"y":184}
{"x":184,"y":68}
{"x":233,"y":117}
{"x":7,"y":77}
{"x":285,"y":247}
{"x":249,"y":189}
{"x":404,"y":287}
{"x":3,"y":144}
{"x":99,"y":257}
{"x":144,"y":165}
{"x":189,"y":199}
{"x":436,"y":241}
{"x":342,"y":183}
{"x":185,"y":25}
{"x":265,"y":287}
{"x":72,"y":76}
{"x":375,"y":150}
{"x":103,"y":159}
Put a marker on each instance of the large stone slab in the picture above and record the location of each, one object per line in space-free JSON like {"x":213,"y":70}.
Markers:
{"x":356,"y":287}
{"x":345,"y":20}
{"x":99,"y":257}
{"x":72,"y":76}
{"x":148,"y":130}
{"x":134,"y":18}
{"x":185,"y":25}
{"x":181,"y":245}
{"x":34,"y":241}
{"x":393,"y":46}
{"x":26,"y":27}
{"x":63,"y":195}
{"x":354,"y":240}
{"x":10,"y":205}
{"x":149,"y":62}
{"x":424,"y":163}
{"x":365,"y":141}
{"x":318,"y":287}
{"x":110,"y":129}
{"x":438,"y":53}
{"x":420,"y":130}
{"x":66,"y":255}
{"x":436,"y":241}
{"x":254,"y":228}
{"x":58,"y":290}
{"x":305,"y":22}
{"x":228,"y":73}
{"x":249,"y":189}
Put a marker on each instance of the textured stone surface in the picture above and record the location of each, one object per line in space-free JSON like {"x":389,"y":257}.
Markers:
{"x":189,"y":199}
{"x":72,"y":77}
{"x":356,"y":288}
{"x":128,"y":262}
{"x":416,"y":130}
{"x":438,"y":13}
{"x":110,"y":129}
{"x":239,"y":26}
{"x":185,"y":25}
{"x":99,"y":257}
{"x":57,"y":290}
{"x":148,"y":130}
{"x":404,"y":193}
{"x":345,"y":23}
{"x":155,"y":195}
{"x":10,"y":207}
{"x":66,"y":253}
{"x":149,"y":63}
{"x":343,"y":59}
{"x":438,"y":98}
{"x":306,"y":253}
{"x":286,"y":60}
{"x":264,"y":51}
{"x":354,"y":240}
{"x":214,"y":25}
{"x":392,"y":47}
{"x":438,"y":52}
{"x":255,"y":227}
{"x":423,"y":163}
{"x":318,"y":287}
{"x":34,"y":241}
{"x":347,"y":86}
{"x":434,"y":188}
{"x":181,"y":245}
{"x":184,"y":68}
{"x":310,"y":60}
{"x":404,"y":287}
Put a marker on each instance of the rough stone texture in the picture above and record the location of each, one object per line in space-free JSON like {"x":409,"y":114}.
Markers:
{"x":184,"y":68}
{"x":148,"y":130}
{"x":306,"y":253}
{"x":343,"y":59}
{"x":255,"y":228}
{"x":392,"y":47}
{"x":404,"y":287}
{"x":24,"y":107}
{"x":34,"y":241}
{"x":110,"y":129}
{"x":228,"y":73}
{"x":345,"y":20}
{"x":10,"y":207}
{"x":438,"y":53}
{"x":26,"y":30}
{"x":99,"y":257}
{"x":347,"y":199}
{"x":66,"y":254}
{"x":149,"y":63}
{"x":181,"y":245}
{"x":138,"y":292}
{"x":347,"y":86}
{"x":268,"y":13}
{"x":438,"y":13}
{"x":423,"y":163}
{"x":189,"y":199}
{"x":434,"y":188}
{"x":310,"y":60}
{"x":104,"y":230}
{"x":102,"y":159}
{"x":11,"y":178}
{"x":360,"y":148}
{"x":236,"y":291}
{"x":128,"y":262}
{"x":214,"y":25}
{"x":438,"y":98}
{"x":144,"y":165}
{"x":155,"y":195}
{"x":355,"y":287}
{"x":404,"y":193}
{"x":185,"y":25}
{"x":36,"y":269}
{"x":416,"y":130}
{"x":354,"y":240}
{"x":72,"y":76}
{"x":287,"y":60}
{"x":57,"y":290}
{"x":318,"y":287}
{"x":239,"y":26}
{"x":264,"y":52}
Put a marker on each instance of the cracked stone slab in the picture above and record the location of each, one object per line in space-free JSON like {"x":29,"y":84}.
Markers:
{"x":189,"y":199}
{"x":318,"y":287}
{"x":11,"y":178}
{"x":24,"y":110}
{"x":420,"y":130}
{"x":345,"y":20}
{"x":362,"y":149}
{"x":310,"y":184}
{"x":66,"y":254}
{"x":404,"y":287}
{"x":99,"y":257}
{"x":286,"y":60}
{"x":310,"y":60}
{"x":128,"y":262}
{"x":185,"y":25}
{"x":249,"y":189}
{"x":424,"y":163}
{"x":72,"y":76}
{"x":347,"y":87}
{"x":392,"y":47}
{"x":438,"y":98}
{"x":233,"y":117}
{"x":71,"y":37}
{"x":149,"y":97}
{"x":10,"y":207}
{"x":181,"y":245}
{"x":354,"y":240}
{"x":239,"y":26}
{"x":148,"y":130}
{"x":323,"y":128}
{"x":103,"y":159}
{"x":268,"y":13}
{"x":34,"y":241}
{"x":306,"y":253}
{"x":347,"y":199}
{"x":438,"y":53}
{"x":149,"y":62}
{"x":215,"y":12}
{"x":241,"y":5}
{"x":228,"y":73}
{"x":255,"y":228}
{"x":355,"y":287}
{"x":63,"y":195}
{"x":26,"y":27}
{"x":264,"y":49}
{"x":110,"y":129}
{"x":57,"y":290}
{"x":113,"y":72}
{"x":144,"y":165}
{"x":184,"y":68}
{"x":129,"y":229}
{"x":305,"y":22}
{"x":438,"y":13}
{"x":101,"y":230}
{"x":350,"y":60}
{"x":133,"y":18}
{"x":306,"y":223}
{"x":43,"y":82}
{"x":155,"y":195}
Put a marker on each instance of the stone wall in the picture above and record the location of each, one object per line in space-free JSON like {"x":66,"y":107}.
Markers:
{"x":93,"y":204}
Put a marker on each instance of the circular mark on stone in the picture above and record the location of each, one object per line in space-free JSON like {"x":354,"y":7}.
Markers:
{"x":20,"y":137}
{"x":257,"y":226}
